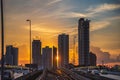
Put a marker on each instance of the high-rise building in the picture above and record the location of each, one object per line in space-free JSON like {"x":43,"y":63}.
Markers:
{"x":15,"y":56}
{"x":11,"y":57}
{"x":93,"y":59}
{"x":54,"y":57}
{"x":36,"y":52}
{"x":63,"y":50}
{"x":83,"y":41}
{"x":47,"y":57}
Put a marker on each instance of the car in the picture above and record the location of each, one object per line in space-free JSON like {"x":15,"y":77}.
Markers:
{"x":95,"y":72}
{"x":8,"y":75}
{"x":103,"y":71}
{"x":25,"y":72}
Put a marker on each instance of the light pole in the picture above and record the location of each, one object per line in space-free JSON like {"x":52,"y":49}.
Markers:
{"x":30,"y":39}
{"x":2,"y":41}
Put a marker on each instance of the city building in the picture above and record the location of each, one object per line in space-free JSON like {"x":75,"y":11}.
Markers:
{"x":47,"y":57}
{"x":54,"y":57}
{"x":83,"y":42}
{"x":118,"y":58}
{"x":36,"y":52}
{"x":15,"y":56}
{"x":93,"y":59}
{"x":63,"y":50}
{"x":11,"y":57}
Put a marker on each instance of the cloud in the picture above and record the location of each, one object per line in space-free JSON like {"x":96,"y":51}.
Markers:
{"x":113,"y":18}
{"x":104,"y":7}
{"x":53,"y":2}
{"x":73,"y":15}
{"x":101,"y":56}
{"x":45,"y":30}
{"x":99,"y":25}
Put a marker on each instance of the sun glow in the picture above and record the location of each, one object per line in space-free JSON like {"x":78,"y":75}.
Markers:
{"x":57,"y":58}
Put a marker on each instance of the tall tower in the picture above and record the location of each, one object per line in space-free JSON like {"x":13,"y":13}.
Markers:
{"x":36,"y":52}
{"x":83,"y":41}
{"x":47,"y":57}
{"x":63,"y":50}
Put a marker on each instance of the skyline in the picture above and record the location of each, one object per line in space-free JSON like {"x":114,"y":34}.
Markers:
{"x":52,"y":17}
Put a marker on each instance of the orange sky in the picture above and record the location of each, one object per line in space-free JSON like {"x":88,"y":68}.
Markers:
{"x":53,"y":17}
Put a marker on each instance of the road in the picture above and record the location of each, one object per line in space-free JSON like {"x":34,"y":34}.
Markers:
{"x":60,"y":74}
{"x":19,"y":73}
{"x":50,"y":75}
{"x":110,"y":75}
{"x":63,"y":74}
{"x":116,"y":77}
{"x":16,"y":75}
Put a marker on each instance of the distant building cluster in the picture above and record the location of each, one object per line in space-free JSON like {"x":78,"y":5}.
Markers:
{"x":47,"y":57}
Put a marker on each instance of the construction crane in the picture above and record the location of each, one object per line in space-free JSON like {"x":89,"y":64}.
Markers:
{"x":74,"y":49}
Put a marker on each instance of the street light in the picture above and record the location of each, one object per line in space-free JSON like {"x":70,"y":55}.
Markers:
{"x":30,"y":39}
{"x":2,"y":41}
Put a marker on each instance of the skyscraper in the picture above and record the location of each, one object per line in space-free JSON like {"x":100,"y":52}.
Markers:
{"x":36,"y":52}
{"x":54,"y":57}
{"x":83,"y":41}
{"x":47,"y":57}
{"x":63,"y":50}
{"x":11,"y":56}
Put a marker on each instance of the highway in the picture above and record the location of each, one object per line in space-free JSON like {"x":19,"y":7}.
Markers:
{"x":19,"y":73}
{"x":109,"y":75}
{"x":16,"y":75}
{"x":60,"y":74}
{"x":115,"y":77}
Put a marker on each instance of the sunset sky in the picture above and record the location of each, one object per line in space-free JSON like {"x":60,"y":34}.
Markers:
{"x":52,"y":17}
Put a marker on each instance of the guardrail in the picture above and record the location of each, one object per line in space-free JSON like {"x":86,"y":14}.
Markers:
{"x":43,"y":76}
{"x":91,"y":76}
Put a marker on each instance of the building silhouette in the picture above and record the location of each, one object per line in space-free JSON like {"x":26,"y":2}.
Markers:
{"x":63,"y":50}
{"x":118,"y":58}
{"x":36,"y":52}
{"x":47,"y":57}
{"x":54,"y":57}
{"x":11,"y":57}
{"x":83,"y":42}
{"x":93,"y":59}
